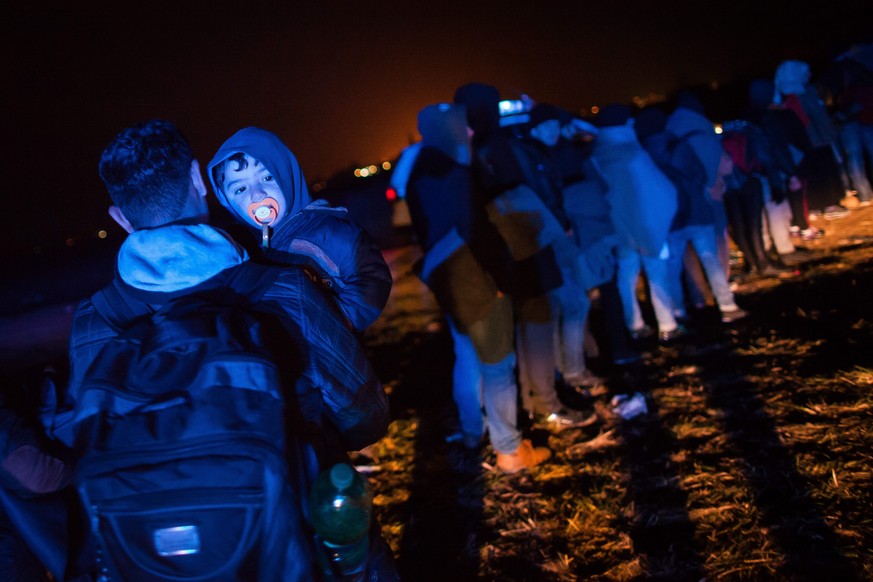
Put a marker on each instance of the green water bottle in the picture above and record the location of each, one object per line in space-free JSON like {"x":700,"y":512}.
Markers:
{"x":340,"y":506}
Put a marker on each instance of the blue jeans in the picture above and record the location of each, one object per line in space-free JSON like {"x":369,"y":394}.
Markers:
{"x":489,"y":385}
{"x":702,"y":240}
{"x":630,"y":261}
{"x":857,"y":140}
{"x":467,"y":385}
{"x":571,"y":306}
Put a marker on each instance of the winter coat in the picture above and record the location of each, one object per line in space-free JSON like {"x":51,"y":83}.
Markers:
{"x":453,"y":266}
{"x":337,"y":394}
{"x":642,"y":199}
{"x":700,"y":134}
{"x":312,"y":234}
{"x":676,"y":158}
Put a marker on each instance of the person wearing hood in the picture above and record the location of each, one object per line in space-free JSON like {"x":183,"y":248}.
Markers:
{"x":452,"y":231}
{"x":643,"y":203}
{"x":531,"y":232}
{"x":789,"y":145}
{"x":825,"y":182}
{"x":688,"y":121}
{"x":335,"y":398}
{"x":570,"y":302}
{"x":693,"y":222}
{"x":258,"y":180}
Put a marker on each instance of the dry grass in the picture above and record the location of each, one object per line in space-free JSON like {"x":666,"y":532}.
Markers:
{"x":754,"y":462}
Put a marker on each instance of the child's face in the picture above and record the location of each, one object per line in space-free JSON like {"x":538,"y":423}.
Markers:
{"x":246,"y":188}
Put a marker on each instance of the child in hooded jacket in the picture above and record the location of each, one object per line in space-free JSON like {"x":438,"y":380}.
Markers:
{"x":259,"y":181}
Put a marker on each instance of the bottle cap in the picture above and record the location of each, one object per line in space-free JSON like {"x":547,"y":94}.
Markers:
{"x":341,"y":476}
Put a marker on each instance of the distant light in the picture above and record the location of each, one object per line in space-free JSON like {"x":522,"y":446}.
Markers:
{"x":358,"y":172}
{"x":364,"y":172}
{"x":101,"y":233}
{"x":317,"y":187}
{"x":386,"y":165}
{"x":391,"y":194}
{"x":718,"y":128}
{"x":595,"y":110}
{"x":373,"y":169}
{"x":71,"y":242}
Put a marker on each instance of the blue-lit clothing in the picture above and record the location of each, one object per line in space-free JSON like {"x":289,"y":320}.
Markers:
{"x":337,"y":389}
{"x":312,"y":234}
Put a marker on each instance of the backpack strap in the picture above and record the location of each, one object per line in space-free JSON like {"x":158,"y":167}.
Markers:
{"x":113,"y":306}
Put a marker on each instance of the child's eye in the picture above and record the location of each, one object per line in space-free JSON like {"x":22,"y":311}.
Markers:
{"x":268,"y":178}
{"x":239,"y":190}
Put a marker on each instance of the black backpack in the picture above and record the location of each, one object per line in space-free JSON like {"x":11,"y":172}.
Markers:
{"x":184,"y":467}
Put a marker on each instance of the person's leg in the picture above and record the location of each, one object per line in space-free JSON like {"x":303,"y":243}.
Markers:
{"x":535,"y":347}
{"x":850,"y":136}
{"x":866,"y":130}
{"x":572,"y":309}
{"x":753,"y":212}
{"x":628,"y":272}
{"x":492,"y":339}
{"x":779,"y":224}
{"x":677,"y":241}
{"x":467,"y":386}
{"x":705,"y":245}
{"x":612,"y":328}
{"x":656,"y":274}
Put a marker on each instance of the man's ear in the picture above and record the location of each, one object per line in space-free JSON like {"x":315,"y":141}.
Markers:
{"x":118,"y":216}
{"x":197,"y":178}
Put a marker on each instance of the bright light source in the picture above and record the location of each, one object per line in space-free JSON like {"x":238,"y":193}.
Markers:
{"x":386,"y":165}
{"x":101,"y":233}
{"x":719,"y":129}
{"x":358,"y":173}
{"x":373,"y":169}
{"x":595,"y":110}
{"x":364,"y":172}
{"x":391,"y":194}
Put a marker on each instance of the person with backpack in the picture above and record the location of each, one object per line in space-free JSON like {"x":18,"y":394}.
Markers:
{"x":693,"y":223}
{"x":209,"y":391}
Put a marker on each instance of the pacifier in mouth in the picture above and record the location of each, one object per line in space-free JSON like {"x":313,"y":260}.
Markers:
{"x":264,"y":211}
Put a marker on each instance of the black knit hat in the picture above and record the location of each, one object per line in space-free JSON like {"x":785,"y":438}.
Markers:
{"x":649,"y":120}
{"x":545,"y":112}
{"x":483,"y":109}
{"x":613,"y":114}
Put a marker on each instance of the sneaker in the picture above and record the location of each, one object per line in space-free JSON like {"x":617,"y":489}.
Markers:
{"x":564,"y":419}
{"x":811,"y":233}
{"x":629,"y":406}
{"x":524,"y":457}
{"x":586,"y":379}
{"x":835,"y":212}
{"x":666,"y":337}
{"x":642,"y":333}
{"x":729,"y":315}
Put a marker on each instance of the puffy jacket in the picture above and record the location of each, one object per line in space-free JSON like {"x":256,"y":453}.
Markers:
{"x":312,"y":234}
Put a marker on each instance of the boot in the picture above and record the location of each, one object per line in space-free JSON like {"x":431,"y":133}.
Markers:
{"x":524,"y":457}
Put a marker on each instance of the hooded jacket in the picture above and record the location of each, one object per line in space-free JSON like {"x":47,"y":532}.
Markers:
{"x":521,"y":218}
{"x":335,"y":404}
{"x":313,"y":234}
{"x":642,"y":199}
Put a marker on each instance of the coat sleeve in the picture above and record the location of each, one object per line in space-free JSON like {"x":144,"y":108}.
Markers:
{"x":337,"y":387}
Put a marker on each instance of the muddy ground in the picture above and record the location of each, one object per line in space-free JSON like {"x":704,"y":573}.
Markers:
{"x":753,"y":463}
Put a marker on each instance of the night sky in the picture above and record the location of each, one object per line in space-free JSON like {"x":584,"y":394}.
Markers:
{"x":341,"y":82}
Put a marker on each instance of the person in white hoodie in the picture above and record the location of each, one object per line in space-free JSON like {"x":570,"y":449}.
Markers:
{"x":643,"y":203}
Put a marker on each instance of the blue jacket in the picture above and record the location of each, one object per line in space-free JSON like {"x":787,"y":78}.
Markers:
{"x":312,"y":234}
{"x":338,"y":391}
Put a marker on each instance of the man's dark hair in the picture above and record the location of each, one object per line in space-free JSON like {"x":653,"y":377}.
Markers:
{"x":146,"y":169}
{"x":219,"y":172}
